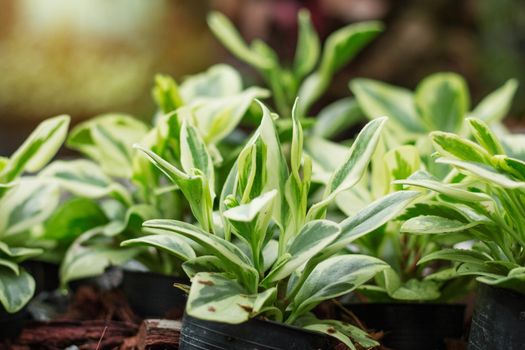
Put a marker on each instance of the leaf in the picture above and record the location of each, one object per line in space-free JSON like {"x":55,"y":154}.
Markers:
{"x":72,"y":218}
{"x":431,"y":224}
{"x":312,"y":238}
{"x":378,"y":99}
{"x":416,"y":290}
{"x":193,"y":186}
{"x":176,"y":246}
{"x":231,"y":256}
{"x":402,"y":161}
{"x":220,"y":80}
{"x":443,"y":101}
{"x":336,"y":117}
{"x":334,"y":277}
{"x":452,"y":145}
{"x":457,"y":255}
{"x":355,"y":165}
{"x":495,"y":106}
{"x":92,"y":261}
{"x":15,"y":290}
{"x":206,"y":263}
{"x":333,"y":332}
{"x":37,"y":150}
{"x":275,"y":164}
{"x":343,"y":44}
{"x":166,"y":94}
{"x":194,"y":155}
{"x":344,"y":330}
{"x":484,"y":136}
{"x":215,"y":297}
{"x":308,"y":47}
{"x":224,"y":30}
{"x":27,"y":205}
{"x":340,"y":47}
{"x":108,"y":140}
{"x":372,"y":217}
{"x":484,"y":172}
{"x":216,"y":118}
{"x":18,"y":254}
{"x":455,"y":191}
{"x":84,"y":178}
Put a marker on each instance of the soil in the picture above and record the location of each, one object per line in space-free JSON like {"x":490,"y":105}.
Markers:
{"x":98,"y":320}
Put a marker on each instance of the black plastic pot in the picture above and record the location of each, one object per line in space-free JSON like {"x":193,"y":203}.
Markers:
{"x":44,"y":273}
{"x":252,"y":335}
{"x":11,"y":324}
{"x":413,"y":326}
{"x":153,"y":295}
{"x":498,"y":321}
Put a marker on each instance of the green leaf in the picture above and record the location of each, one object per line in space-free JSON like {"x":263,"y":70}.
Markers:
{"x":312,"y":238}
{"x":340,"y":47}
{"x":92,"y":261}
{"x":414,"y":290}
{"x":177,"y":246}
{"x":495,"y":106}
{"x":225,"y":31}
{"x":334,"y":277}
{"x":18,"y":254}
{"x":38,"y":149}
{"x":484,"y":136}
{"x":84,"y":178}
{"x":485,"y":173}
{"x":343,"y":44}
{"x":220,"y":80}
{"x":372,"y":217}
{"x":14,"y":267}
{"x":455,"y":191}
{"x":166,"y":94}
{"x":457,"y":255}
{"x":72,"y":218}
{"x":231,"y":256}
{"x":308,"y":47}
{"x":452,"y":145}
{"x":194,"y":187}
{"x":206,"y":263}
{"x":108,"y":140}
{"x":336,"y":117}
{"x":217,"y":118}
{"x":443,"y":101}
{"x":215,"y":297}
{"x":15,"y":290}
{"x":431,"y":224}
{"x":194,"y":155}
{"x":378,"y":99}
{"x":28,"y":204}
{"x":343,"y":331}
{"x":355,"y":165}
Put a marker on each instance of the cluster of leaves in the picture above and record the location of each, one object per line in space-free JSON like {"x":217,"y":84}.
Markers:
{"x":266,"y":250}
{"x":312,"y":69}
{"x":117,"y":190}
{"x":25,"y":203}
{"x":440,"y":102}
{"x":481,"y":202}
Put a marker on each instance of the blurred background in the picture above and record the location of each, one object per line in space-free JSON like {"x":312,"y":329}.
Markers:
{"x":87,"y":57}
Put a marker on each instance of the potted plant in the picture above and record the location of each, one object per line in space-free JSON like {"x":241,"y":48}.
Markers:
{"x":309,"y":75}
{"x":106,"y":199}
{"x":427,"y":296}
{"x":481,"y":202}
{"x":440,"y":102}
{"x":267,"y":252}
{"x":25,"y":202}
